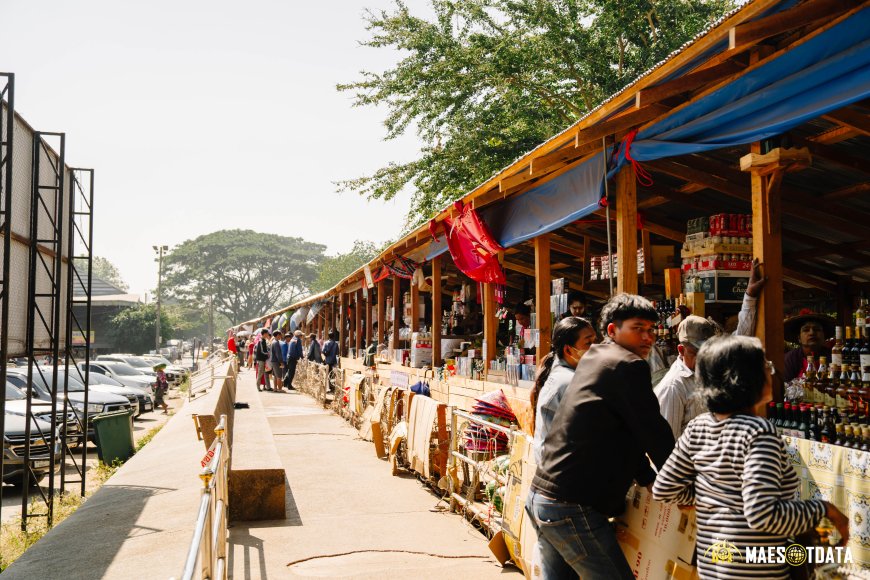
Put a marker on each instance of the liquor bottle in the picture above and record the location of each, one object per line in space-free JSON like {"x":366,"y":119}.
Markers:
{"x":856,"y":347}
{"x":843,"y":392}
{"x":861,"y":314}
{"x":822,"y":380}
{"x":831,"y":388}
{"x":864,"y":350}
{"x":810,"y":381}
{"x":853,"y":394}
{"x":847,"y":347}
{"x":865,"y":438}
{"x":814,"y":425}
{"x":804,"y":425}
{"x":827,"y":431}
{"x":779,"y":419}
{"x":849,"y":437}
{"x":771,"y":413}
{"x":864,"y":397}
{"x":837,"y":349}
{"x":839,"y":435}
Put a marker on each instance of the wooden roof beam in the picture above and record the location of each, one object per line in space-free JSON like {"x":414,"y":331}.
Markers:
{"x":851,"y":118}
{"x":687,"y":83}
{"x":835,"y":135}
{"x":780,"y":22}
{"x":801,"y":277}
{"x":849,"y":250}
{"x":846,"y":192}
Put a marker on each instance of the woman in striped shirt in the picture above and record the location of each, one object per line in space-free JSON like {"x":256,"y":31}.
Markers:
{"x":732,"y":466}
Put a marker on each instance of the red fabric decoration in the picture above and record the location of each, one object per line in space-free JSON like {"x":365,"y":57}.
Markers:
{"x":471,"y":245}
{"x":643,"y":176}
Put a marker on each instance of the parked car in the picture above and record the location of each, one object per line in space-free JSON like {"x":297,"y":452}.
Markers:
{"x":174,"y":373}
{"x":14,"y":441}
{"x":16,"y":404}
{"x":123,"y":373}
{"x":97,"y":402}
{"x":139,"y":398}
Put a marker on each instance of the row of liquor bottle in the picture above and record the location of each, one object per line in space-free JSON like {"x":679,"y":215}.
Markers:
{"x":855,"y":349}
{"x":845,"y":388}
{"x":819,"y":423}
{"x":670,"y":316}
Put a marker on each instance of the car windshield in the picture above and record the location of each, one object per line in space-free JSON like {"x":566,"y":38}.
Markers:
{"x":158,"y":360}
{"x":13,"y":393}
{"x":74,"y":385}
{"x":98,"y":379}
{"x":122,"y":368}
{"x":138,"y":363}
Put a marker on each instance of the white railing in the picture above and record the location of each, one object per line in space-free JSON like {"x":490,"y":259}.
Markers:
{"x":204,"y":377}
{"x":209,"y":544}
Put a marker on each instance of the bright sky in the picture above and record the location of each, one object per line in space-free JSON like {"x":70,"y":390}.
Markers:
{"x":206,"y":115}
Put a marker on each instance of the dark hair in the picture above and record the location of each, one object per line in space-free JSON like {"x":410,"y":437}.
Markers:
{"x":523,"y":308}
{"x":277,"y":332}
{"x":576,"y":296}
{"x":732,"y":371}
{"x":624,"y":306}
{"x":565,"y":333}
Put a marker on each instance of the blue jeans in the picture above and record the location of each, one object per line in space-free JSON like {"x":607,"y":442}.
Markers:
{"x":575,"y":541}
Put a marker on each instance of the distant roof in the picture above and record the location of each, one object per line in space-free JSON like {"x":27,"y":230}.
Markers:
{"x":105,"y":292}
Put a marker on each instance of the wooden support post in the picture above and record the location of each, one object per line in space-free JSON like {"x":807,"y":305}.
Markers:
{"x":647,"y":257}
{"x":626,"y":230}
{"x":369,"y":318}
{"x":587,"y":262}
{"x":342,"y":325}
{"x":767,"y":247}
{"x":415,"y":307}
{"x":382,"y":312}
{"x":357,"y":335}
{"x":542,"y":294}
{"x":436,"y":312}
{"x":490,"y":326}
{"x":397,"y":309}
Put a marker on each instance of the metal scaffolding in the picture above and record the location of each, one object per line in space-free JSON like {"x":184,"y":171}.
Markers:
{"x":7,"y":119}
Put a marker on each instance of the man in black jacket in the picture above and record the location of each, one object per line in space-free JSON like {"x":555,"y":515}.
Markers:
{"x":607,"y":424}
{"x":261,"y":355}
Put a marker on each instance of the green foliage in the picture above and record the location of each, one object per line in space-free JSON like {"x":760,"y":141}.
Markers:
{"x":133,"y":329}
{"x":106,"y":270}
{"x":485,"y":81}
{"x":334,"y":269}
{"x":246,"y":272}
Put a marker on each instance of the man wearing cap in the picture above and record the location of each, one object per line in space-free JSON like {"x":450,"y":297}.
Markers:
{"x":676,"y":391}
{"x":276,"y":359}
{"x":808,"y":329}
{"x":294,"y":353}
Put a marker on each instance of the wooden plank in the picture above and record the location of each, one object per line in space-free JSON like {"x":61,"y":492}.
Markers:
{"x":767,"y":247}
{"x":369,"y":319}
{"x":849,"y":117}
{"x":803,"y":277}
{"x":687,"y":83}
{"x":629,"y":120}
{"x":586,"y":261}
{"x":847,"y":192}
{"x":568,"y":153}
{"x":647,"y":257}
{"x":784,"y":157}
{"x":626,"y":230}
{"x":397,"y":309}
{"x":542,"y":293}
{"x":436,"y":311}
{"x":382,"y":312}
{"x":415,"y":307}
{"x":342,"y":330}
{"x":797,"y":17}
{"x":490,"y":325}
{"x":519,"y":268}
{"x":360,"y":305}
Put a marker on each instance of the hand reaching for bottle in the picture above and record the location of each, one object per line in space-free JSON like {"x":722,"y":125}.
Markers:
{"x":840,"y":521}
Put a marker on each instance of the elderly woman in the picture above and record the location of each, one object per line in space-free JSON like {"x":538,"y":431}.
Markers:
{"x":733,"y":467}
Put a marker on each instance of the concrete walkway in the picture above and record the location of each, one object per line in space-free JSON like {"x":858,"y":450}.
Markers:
{"x":347,"y":516}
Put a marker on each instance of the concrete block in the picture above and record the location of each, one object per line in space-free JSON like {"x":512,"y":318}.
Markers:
{"x":257,"y":494}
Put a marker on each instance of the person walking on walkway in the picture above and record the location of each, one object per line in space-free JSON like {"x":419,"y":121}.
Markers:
{"x":330,"y":355}
{"x":314,"y":350}
{"x":276,"y":359}
{"x":606,"y":426}
{"x":733,"y":467}
{"x":261,"y":355}
{"x":294,"y":353}
{"x":161,"y":387}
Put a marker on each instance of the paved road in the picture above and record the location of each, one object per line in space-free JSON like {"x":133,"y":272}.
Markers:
{"x":141,"y":426}
{"x":347,"y":516}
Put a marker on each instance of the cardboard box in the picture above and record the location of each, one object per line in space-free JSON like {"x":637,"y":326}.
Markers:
{"x":648,"y":561}
{"x":673,"y":283}
{"x":726,"y":286}
{"x":664,"y":524}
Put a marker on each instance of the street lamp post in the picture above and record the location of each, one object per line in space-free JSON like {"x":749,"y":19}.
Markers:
{"x":159,"y":250}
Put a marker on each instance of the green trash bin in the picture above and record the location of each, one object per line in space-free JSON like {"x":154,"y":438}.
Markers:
{"x":114,"y":435}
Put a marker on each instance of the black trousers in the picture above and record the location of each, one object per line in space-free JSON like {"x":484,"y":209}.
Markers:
{"x":291,"y":372}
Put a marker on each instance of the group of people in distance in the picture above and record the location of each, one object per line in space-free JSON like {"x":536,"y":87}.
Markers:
{"x":275,"y":355}
{"x":698,"y":438}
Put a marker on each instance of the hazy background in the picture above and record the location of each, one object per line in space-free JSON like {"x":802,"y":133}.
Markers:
{"x":199,"y":116}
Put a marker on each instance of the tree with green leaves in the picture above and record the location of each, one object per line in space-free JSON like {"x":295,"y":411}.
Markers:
{"x":485,"y":81}
{"x":334,"y":269}
{"x":133,"y":328}
{"x":103,"y":269}
{"x":246,"y":273}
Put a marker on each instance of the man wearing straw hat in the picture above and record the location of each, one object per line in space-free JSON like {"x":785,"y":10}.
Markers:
{"x":808,"y":329}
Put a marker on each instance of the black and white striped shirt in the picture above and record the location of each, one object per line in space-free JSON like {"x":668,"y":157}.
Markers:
{"x":737,"y":474}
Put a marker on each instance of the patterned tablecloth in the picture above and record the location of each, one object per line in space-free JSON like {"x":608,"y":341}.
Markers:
{"x":839,"y":475}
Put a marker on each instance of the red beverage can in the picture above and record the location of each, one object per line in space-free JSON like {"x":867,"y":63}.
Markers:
{"x":742,"y":225}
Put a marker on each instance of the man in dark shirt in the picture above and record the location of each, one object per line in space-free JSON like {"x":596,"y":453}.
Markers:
{"x":808,"y":329}
{"x":276,"y":359}
{"x":607,"y":424}
{"x":294,"y":353}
